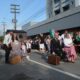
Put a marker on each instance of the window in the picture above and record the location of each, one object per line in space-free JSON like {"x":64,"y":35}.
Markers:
{"x":57,"y":11}
{"x":65,"y":8}
{"x":56,"y":1}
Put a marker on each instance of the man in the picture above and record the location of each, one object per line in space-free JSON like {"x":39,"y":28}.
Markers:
{"x":56,"y":47}
{"x":55,"y":44}
{"x":7,"y":45}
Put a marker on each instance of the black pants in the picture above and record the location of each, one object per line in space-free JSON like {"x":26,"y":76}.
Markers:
{"x":7,"y":52}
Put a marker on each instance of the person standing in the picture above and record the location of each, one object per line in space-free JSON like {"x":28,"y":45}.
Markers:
{"x":69,"y":48}
{"x":7,"y":45}
{"x":16,"y":46}
{"x":55,"y":45}
{"x":16,"y":54}
{"x":47,"y":41}
{"x":41,"y":44}
{"x":23,"y":47}
{"x":28,"y":47}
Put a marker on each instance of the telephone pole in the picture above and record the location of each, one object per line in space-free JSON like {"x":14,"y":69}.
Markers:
{"x":15,"y":10}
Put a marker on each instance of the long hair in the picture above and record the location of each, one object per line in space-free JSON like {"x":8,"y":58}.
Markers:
{"x":14,"y":38}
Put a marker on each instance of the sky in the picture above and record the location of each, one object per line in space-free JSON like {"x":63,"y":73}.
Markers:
{"x":30,"y":10}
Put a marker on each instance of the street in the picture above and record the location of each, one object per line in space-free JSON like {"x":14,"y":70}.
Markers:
{"x":37,"y":68}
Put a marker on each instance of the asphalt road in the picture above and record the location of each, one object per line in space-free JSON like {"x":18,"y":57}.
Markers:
{"x":37,"y":68}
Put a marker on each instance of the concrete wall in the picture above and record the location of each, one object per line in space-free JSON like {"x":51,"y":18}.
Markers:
{"x":70,"y":19}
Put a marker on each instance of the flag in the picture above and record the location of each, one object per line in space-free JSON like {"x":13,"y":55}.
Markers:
{"x":51,"y":33}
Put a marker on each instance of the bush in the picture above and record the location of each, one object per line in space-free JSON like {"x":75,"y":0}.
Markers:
{"x":1,"y":38}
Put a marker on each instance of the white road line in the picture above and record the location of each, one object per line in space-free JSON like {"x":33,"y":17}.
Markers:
{"x":49,"y":67}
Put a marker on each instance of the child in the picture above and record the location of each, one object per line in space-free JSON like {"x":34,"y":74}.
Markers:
{"x":28,"y":46}
{"x":23,"y":47}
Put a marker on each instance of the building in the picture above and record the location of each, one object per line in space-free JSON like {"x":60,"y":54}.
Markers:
{"x":62,"y":14}
{"x":55,"y":7}
{"x":28,"y":26}
{"x":22,"y":35}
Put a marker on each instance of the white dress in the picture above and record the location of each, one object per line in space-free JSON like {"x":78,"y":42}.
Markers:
{"x":28,"y":45}
{"x":23,"y":50}
{"x":16,"y":48}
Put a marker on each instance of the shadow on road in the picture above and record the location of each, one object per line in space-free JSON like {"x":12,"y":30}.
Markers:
{"x":21,"y":76}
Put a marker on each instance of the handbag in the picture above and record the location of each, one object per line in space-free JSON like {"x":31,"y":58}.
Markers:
{"x":15,"y":59}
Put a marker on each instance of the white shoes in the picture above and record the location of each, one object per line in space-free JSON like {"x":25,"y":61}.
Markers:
{"x":28,"y":58}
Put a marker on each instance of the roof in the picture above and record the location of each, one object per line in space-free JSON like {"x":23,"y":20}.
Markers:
{"x":16,"y":31}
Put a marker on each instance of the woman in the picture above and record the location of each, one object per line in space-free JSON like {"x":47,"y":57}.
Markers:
{"x":28,"y":47}
{"x":41,"y":44}
{"x":16,"y":48}
{"x":47,"y":42}
{"x":69,"y":48}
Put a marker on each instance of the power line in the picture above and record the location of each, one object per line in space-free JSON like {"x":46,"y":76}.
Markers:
{"x":35,"y":15}
{"x":39,"y":12}
{"x":29,"y":3}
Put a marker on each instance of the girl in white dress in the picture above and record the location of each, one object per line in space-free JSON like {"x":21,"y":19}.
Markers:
{"x":16,"y":46}
{"x":23,"y":47}
{"x":28,"y":47}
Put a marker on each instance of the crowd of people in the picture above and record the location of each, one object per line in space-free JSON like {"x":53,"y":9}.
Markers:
{"x":66,"y":46}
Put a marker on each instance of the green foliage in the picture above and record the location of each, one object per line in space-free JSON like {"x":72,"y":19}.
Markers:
{"x":1,"y":38}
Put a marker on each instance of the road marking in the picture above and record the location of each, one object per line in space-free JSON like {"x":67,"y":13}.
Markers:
{"x":49,"y":67}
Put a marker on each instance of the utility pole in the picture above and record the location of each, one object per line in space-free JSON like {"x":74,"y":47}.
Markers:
{"x":15,"y":10}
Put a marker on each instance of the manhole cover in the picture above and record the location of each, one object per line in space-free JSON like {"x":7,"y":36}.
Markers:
{"x":21,"y":77}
